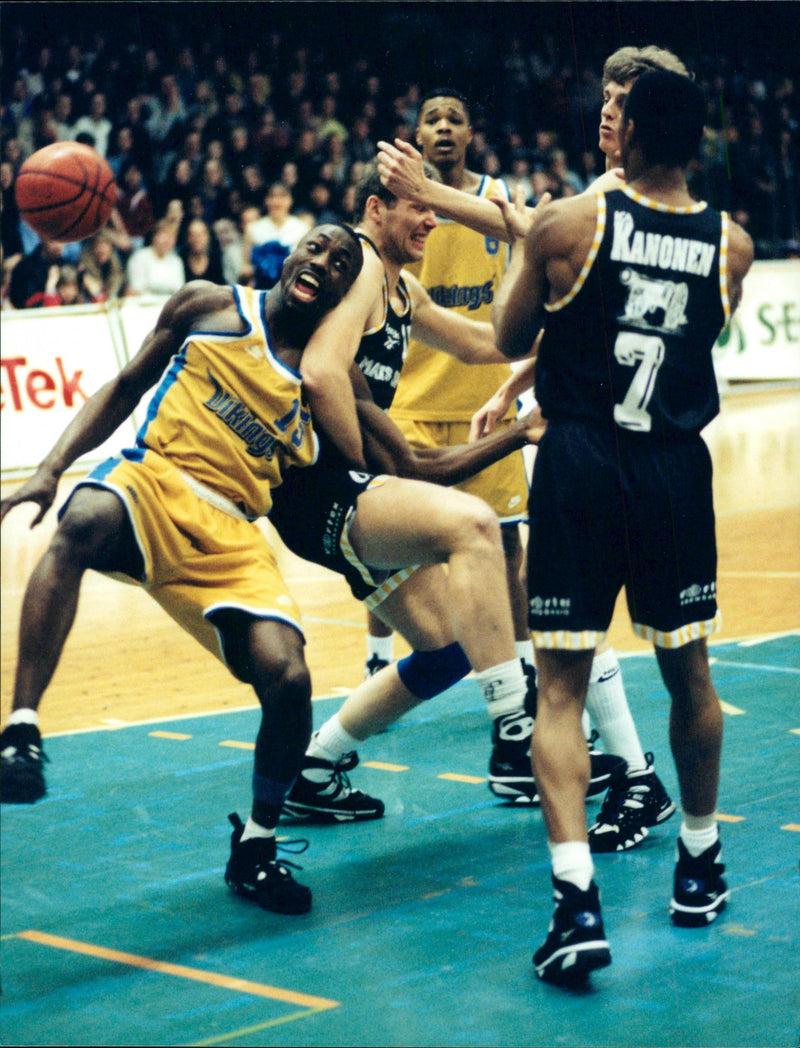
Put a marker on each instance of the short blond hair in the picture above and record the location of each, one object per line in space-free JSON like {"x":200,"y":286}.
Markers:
{"x":628,"y":63}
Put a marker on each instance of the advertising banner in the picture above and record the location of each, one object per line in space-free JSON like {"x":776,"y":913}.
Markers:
{"x":763,"y":339}
{"x":54,"y":359}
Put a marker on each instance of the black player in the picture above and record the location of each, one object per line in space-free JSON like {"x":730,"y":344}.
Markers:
{"x":641,"y":280}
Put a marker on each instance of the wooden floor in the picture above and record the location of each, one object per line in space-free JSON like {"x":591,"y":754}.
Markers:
{"x":127,"y":661}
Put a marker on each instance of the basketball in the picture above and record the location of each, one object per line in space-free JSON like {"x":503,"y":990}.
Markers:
{"x":65,"y":191}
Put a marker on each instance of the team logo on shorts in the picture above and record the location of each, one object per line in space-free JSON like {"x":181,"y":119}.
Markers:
{"x":698,"y":594}
{"x":553,"y":606}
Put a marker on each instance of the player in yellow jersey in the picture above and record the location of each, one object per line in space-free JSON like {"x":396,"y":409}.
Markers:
{"x":438,"y":394}
{"x":176,"y":514}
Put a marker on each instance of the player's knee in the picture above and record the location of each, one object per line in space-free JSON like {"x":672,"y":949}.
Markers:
{"x":89,"y":528}
{"x":278,"y":676}
{"x":429,"y":673}
{"x":481,"y":527}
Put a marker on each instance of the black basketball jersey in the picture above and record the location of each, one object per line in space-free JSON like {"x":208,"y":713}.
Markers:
{"x":631,"y":341}
{"x":383,"y":349}
{"x":309,"y":511}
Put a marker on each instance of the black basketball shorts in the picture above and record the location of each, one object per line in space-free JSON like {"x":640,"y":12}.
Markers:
{"x":311,"y":511}
{"x":610,"y":509}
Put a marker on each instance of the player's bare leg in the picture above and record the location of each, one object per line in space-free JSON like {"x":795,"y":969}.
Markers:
{"x":406,"y":522}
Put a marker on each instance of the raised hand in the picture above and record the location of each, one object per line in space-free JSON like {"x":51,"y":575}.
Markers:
{"x":401,"y":170}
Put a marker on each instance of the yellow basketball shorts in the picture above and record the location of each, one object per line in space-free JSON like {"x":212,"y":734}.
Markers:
{"x":198,"y":558}
{"x":503,"y":485}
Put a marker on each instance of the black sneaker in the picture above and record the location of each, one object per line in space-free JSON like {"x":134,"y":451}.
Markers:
{"x":635,"y":800}
{"x":510,"y":772}
{"x":333,"y":799}
{"x":700,"y":892}
{"x":604,"y":767}
{"x":576,"y":944}
{"x":21,"y":764}
{"x":254,"y":872}
{"x":373,"y":665}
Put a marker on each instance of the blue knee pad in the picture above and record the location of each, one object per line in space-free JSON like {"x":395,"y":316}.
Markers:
{"x":429,"y":673}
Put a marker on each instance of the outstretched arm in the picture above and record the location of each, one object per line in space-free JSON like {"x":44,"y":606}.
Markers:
{"x":470,"y":341}
{"x":401,"y":171}
{"x":388,"y":451}
{"x":520,"y":381}
{"x":113,"y":402}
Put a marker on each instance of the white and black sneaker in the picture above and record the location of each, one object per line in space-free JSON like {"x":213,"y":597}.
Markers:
{"x":700,"y":893}
{"x":330,"y":798}
{"x":605,"y":766}
{"x":22,"y":760}
{"x":635,"y":801}
{"x":510,"y":771}
{"x":255,"y":872}
{"x":576,"y":944}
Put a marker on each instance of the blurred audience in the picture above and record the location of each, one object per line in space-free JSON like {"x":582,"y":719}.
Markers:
{"x":156,"y":269}
{"x":241,"y":149}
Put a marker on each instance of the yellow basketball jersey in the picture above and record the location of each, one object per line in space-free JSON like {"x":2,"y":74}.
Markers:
{"x":229,"y":413}
{"x":461,"y":270}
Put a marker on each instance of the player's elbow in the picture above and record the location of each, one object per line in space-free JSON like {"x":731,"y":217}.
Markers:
{"x":516,"y":346}
{"x":516,"y":339}
{"x":316,"y":378}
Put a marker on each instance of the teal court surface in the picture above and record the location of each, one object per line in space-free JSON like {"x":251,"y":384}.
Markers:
{"x":118,"y":929}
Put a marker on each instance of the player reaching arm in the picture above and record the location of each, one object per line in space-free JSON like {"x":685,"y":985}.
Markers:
{"x":108,"y":408}
{"x":388,"y":451}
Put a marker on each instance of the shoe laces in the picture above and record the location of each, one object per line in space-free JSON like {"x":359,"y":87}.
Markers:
{"x":340,"y":777}
{"x":293,"y":847}
{"x":622,"y":798}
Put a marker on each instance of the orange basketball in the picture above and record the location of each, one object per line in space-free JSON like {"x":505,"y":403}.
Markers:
{"x":65,"y":191}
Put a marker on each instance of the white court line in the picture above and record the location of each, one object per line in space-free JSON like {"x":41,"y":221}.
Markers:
{"x":756,"y":666}
{"x":112,"y":724}
{"x":753,"y":641}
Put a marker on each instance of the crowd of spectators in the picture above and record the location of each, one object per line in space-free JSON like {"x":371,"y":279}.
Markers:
{"x":222,"y":162}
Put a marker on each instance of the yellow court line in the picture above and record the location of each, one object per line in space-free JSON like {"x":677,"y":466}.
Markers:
{"x":729,"y":818}
{"x":460,"y":778}
{"x":247,"y":1031}
{"x":382,"y":766}
{"x":226,"y":982}
{"x":794,"y":731}
{"x":792,"y":826}
{"x":238,"y":745}
{"x":168,"y":735}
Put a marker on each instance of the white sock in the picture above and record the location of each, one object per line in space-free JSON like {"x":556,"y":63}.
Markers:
{"x":572,"y":861}
{"x":698,"y":841}
{"x":382,"y":647}
{"x":699,"y":833}
{"x":503,"y":687}
{"x":586,"y":726}
{"x":332,"y":742}
{"x":525,"y":651}
{"x":608,"y":708}
{"x":255,"y":829}
{"x":23,"y":717}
